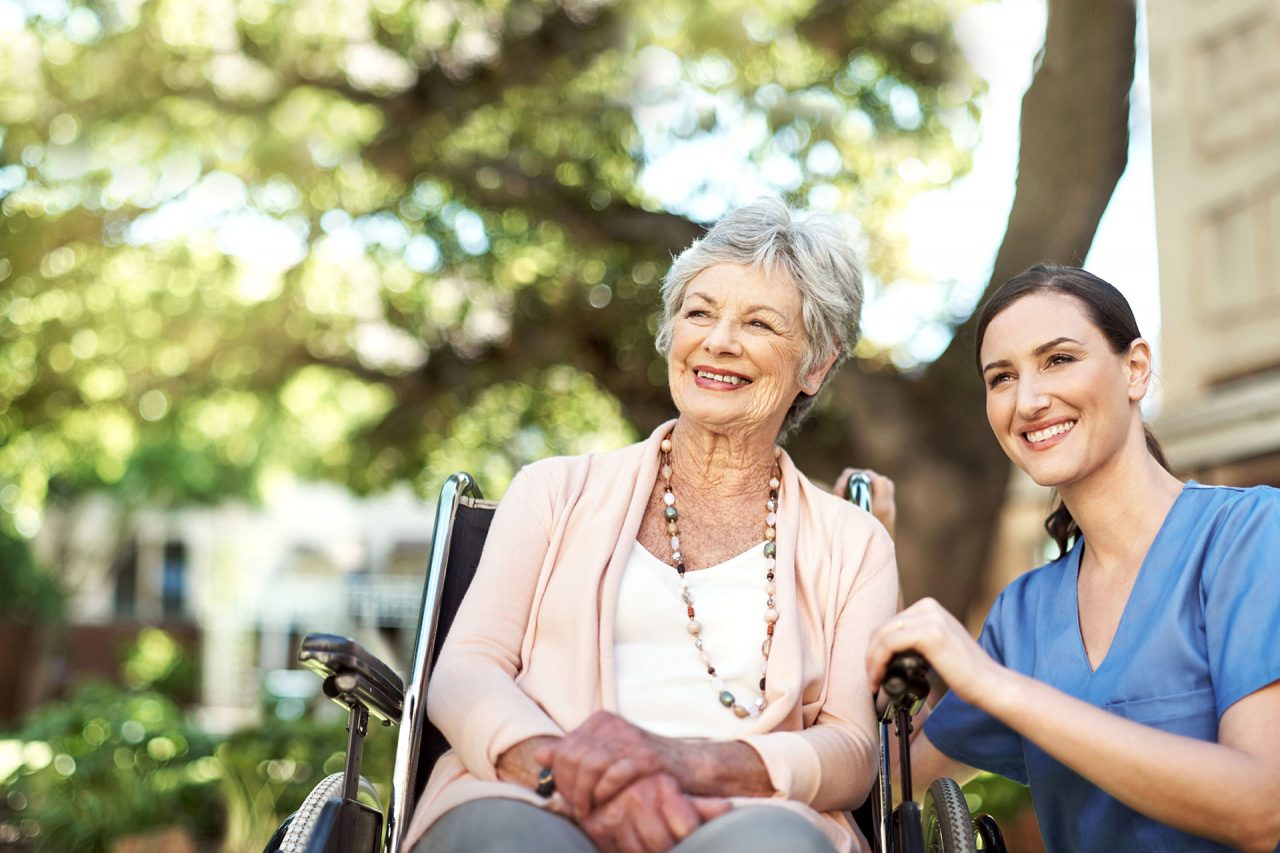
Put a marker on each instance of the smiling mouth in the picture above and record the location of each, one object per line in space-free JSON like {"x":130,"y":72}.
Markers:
{"x":1048,"y":432}
{"x":722,"y":377}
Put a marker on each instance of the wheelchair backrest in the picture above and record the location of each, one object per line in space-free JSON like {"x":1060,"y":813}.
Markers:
{"x":462,"y":524}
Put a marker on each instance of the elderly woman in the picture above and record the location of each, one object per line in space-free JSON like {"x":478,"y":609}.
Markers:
{"x":663,"y":645}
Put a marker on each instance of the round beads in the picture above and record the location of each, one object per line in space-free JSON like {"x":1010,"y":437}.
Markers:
{"x":671,"y":514}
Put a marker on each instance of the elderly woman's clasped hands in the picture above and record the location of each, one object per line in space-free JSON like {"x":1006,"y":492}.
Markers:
{"x":619,"y":782}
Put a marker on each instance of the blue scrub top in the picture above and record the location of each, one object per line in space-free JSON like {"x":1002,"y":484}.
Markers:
{"x":1201,"y":630}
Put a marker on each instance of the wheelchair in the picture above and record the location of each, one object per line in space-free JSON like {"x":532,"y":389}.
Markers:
{"x":945,"y":824}
{"x":342,"y":815}
{"x":333,"y":819}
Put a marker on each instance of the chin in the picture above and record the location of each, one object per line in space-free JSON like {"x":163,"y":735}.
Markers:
{"x":1050,"y":477}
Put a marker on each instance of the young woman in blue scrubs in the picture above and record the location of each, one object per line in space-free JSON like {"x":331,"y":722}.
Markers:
{"x":1134,"y":682}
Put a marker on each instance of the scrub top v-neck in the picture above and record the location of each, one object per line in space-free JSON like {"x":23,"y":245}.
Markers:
{"x":1197,"y":634}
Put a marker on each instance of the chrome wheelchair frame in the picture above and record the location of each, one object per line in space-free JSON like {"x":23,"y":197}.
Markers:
{"x":332,"y":819}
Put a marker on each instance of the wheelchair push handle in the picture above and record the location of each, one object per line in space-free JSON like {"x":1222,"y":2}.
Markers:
{"x":906,"y":680}
{"x":858,"y":490}
{"x":905,"y":685}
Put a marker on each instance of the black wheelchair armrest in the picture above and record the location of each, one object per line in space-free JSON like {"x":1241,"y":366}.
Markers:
{"x":343,"y":662}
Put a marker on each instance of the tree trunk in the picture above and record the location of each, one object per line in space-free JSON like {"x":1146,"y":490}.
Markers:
{"x":930,"y":434}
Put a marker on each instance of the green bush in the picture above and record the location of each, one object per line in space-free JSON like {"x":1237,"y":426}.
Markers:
{"x":113,"y":762}
{"x":155,"y":661}
{"x":1003,"y":799}
{"x":108,"y":763}
{"x":267,"y":771}
{"x":27,"y":592}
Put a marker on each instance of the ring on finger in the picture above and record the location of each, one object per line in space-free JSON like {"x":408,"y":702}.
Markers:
{"x":546,"y":782}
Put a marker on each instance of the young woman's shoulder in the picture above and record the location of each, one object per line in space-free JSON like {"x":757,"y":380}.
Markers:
{"x":1234,"y":500}
{"x":1238,"y":529}
{"x":1026,"y":593}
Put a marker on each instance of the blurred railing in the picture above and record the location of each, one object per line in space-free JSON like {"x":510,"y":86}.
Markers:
{"x":384,"y":600}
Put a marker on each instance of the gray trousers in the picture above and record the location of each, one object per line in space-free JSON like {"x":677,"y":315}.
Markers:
{"x":496,"y":825}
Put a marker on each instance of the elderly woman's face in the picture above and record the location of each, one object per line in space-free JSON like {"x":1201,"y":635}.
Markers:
{"x":736,"y":348}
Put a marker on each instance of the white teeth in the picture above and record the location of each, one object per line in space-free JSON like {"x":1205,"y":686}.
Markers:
{"x":716,"y":377}
{"x":1049,"y":432}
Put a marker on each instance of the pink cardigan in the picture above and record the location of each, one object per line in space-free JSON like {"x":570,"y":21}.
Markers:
{"x":531,"y":652}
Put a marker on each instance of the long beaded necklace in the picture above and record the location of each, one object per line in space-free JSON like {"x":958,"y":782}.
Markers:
{"x":671,"y":514}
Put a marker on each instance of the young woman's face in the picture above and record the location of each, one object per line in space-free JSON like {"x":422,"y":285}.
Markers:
{"x":1060,"y":402}
{"x":736,"y":349}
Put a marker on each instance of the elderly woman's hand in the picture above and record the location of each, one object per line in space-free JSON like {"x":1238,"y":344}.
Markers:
{"x":651,"y":815}
{"x":596,"y":761}
{"x":883,"y":505}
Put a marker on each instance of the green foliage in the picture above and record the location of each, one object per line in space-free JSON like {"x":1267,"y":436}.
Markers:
{"x":111,"y":762}
{"x":1003,"y":799}
{"x":27,"y":592}
{"x":108,"y":763}
{"x":267,"y":771}
{"x":156,"y":662}
{"x":239,"y":239}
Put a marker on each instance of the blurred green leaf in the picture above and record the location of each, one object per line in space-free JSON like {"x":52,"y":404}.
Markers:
{"x":27,"y":592}
{"x":245,"y":239}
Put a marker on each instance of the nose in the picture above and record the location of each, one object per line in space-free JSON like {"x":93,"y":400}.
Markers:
{"x":1033,"y":398}
{"x":722,"y":338}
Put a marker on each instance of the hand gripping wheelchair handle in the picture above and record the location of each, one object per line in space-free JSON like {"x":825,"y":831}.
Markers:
{"x":905,"y":685}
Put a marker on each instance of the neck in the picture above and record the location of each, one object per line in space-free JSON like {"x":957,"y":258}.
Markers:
{"x":724,"y":464}
{"x":1120,"y":507}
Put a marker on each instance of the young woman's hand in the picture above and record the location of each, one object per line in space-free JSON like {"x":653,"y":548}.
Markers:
{"x":883,"y":506}
{"x":926,"y":627}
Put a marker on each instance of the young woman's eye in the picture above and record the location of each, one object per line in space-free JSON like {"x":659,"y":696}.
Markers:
{"x":1060,"y":358}
{"x":998,"y":379}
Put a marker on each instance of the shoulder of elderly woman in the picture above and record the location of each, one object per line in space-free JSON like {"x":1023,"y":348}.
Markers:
{"x":834,"y":519}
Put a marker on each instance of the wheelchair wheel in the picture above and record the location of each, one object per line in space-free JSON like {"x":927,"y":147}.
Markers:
{"x":988,"y":831}
{"x":302,"y":825}
{"x":947,"y":825}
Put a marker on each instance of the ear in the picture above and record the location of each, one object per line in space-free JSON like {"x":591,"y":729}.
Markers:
{"x":1138,"y":363}
{"x":812,"y":381}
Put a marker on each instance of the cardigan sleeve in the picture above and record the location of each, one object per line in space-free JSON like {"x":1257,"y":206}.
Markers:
{"x":473,"y":697}
{"x":830,"y":764}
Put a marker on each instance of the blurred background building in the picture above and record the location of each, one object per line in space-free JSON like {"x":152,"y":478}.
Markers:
{"x":1215,"y":75}
{"x":239,"y":586}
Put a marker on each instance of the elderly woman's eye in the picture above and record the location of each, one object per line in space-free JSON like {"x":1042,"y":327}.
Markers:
{"x":761,"y":324}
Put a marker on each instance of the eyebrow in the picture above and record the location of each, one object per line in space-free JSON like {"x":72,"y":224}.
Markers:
{"x":1038,"y":351}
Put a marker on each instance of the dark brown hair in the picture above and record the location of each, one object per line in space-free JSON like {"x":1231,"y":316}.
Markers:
{"x":1106,"y":308}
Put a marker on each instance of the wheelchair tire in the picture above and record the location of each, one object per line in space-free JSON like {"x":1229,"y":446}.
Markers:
{"x":277,"y":838}
{"x":990,"y":839}
{"x":297,"y":837}
{"x":948,"y":828}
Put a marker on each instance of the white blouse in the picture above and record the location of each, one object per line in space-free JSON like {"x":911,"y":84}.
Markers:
{"x":662,"y":684}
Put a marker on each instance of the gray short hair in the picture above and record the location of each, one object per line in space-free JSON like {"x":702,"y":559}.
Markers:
{"x":814,"y":253}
